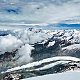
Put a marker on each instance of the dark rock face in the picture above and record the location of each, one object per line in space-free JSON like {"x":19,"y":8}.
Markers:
{"x":73,"y":53}
{"x":41,"y":51}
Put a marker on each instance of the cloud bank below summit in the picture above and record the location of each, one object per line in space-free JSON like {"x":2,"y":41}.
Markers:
{"x":39,"y":11}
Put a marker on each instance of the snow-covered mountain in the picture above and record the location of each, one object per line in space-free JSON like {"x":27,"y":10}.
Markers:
{"x":35,"y":52}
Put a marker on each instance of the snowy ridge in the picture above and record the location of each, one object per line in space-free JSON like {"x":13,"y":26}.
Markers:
{"x":65,"y":59}
{"x":52,"y":65}
{"x":74,"y":46}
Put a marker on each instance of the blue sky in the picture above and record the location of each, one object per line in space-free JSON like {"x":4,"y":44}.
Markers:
{"x":40,"y":11}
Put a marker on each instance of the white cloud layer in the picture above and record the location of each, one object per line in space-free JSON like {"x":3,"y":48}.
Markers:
{"x":9,"y":43}
{"x":24,"y":54}
{"x":32,"y":37}
{"x":40,"y":11}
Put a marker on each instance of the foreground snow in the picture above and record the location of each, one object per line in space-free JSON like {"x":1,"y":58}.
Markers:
{"x":71,"y":75}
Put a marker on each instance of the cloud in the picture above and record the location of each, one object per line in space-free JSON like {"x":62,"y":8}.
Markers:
{"x":9,"y":43}
{"x":24,"y":54}
{"x":50,"y":11}
{"x":32,"y":37}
